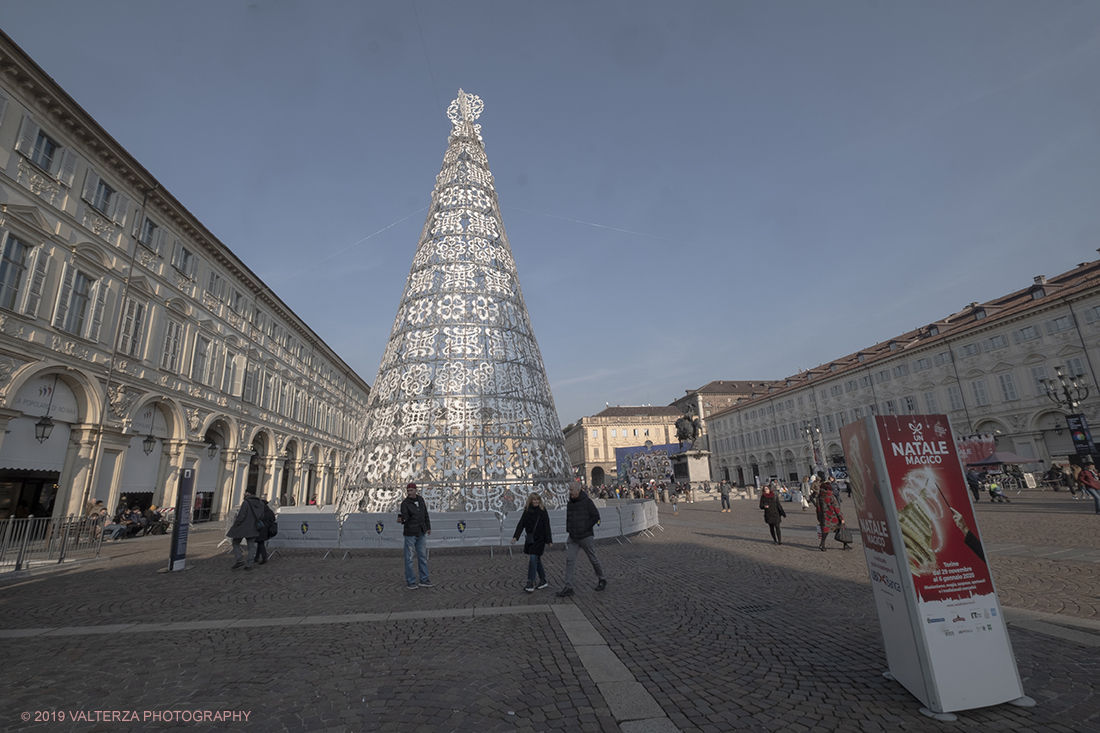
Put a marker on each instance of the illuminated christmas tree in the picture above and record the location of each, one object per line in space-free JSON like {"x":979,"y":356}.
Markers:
{"x":461,"y":404}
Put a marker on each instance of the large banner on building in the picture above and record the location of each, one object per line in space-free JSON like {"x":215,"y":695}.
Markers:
{"x":640,"y":465}
{"x":945,"y":636}
{"x":974,"y":448}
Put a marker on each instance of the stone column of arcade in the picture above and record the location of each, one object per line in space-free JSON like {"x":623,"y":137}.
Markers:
{"x":272,"y":476}
{"x":227,"y":468}
{"x":76,"y":471}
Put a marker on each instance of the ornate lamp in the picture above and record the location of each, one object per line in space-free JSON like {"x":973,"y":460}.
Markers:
{"x":149,"y":444}
{"x":44,"y":427}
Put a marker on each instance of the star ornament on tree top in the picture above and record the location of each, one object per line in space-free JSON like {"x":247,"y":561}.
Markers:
{"x":464,"y":110}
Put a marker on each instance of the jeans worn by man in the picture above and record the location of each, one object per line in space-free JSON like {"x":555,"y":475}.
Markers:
{"x":413,"y":515}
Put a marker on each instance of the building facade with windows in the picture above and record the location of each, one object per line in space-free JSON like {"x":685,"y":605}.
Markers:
{"x":138,"y":343}
{"x":984,"y":367}
{"x":591,"y":441}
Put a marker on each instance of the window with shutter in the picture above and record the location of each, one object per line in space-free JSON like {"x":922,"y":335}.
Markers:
{"x":133,"y":322}
{"x":13,"y":269}
{"x":184,"y":260}
{"x":61,"y":309}
{"x":99,"y":300}
{"x":173,"y":336}
{"x":120,"y":205}
{"x":67,"y":167}
{"x":200,"y":362}
{"x":3,"y":106}
{"x":37,"y":283}
{"x":91,"y":187}
{"x":28,"y":134}
{"x":215,"y":286}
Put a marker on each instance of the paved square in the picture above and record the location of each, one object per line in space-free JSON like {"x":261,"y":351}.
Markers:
{"x":707,"y":626}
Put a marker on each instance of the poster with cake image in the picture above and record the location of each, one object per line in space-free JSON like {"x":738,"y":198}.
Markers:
{"x":895,"y":606}
{"x":970,"y":657}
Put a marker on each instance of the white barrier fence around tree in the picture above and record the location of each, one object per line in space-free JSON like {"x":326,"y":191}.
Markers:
{"x":324,"y":531}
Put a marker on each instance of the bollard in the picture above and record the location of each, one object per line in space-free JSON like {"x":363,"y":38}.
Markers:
{"x":64,"y":540}
{"x":7,"y":537}
{"x":23,"y":546}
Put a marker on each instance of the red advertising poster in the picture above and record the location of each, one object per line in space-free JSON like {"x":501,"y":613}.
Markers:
{"x":974,"y":448}
{"x":965,"y":654}
{"x":937,"y":521}
{"x":893,"y":598}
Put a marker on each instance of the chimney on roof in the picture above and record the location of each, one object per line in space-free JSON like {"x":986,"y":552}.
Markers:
{"x":973,"y":305}
{"x":1040,"y":280}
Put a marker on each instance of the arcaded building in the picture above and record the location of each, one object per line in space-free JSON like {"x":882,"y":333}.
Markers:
{"x":134,"y":343}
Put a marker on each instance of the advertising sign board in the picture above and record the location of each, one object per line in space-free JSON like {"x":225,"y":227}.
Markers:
{"x":1080,"y":434}
{"x":178,"y":549}
{"x":945,"y":635}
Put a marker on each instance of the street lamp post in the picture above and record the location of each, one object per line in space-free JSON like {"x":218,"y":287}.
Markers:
{"x":1068,"y":391}
{"x":44,"y":427}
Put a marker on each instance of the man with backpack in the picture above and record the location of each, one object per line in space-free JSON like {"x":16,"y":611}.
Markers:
{"x":246,"y":526}
{"x":269,"y":530}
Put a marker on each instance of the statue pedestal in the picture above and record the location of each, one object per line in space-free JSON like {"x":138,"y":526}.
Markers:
{"x":691,"y":466}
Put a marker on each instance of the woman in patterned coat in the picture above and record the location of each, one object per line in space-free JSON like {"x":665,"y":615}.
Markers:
{"x":829,"y":517}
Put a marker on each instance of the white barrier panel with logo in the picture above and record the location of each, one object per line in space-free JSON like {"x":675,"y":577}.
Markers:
{"x":371,"y":531}
{"x":464,"y":529}
{"x":651,"y":519}
{"x":632,"y":518}
{"x":557,"y":525}
{"x":609,"y":523}
{"x":306,"y":530}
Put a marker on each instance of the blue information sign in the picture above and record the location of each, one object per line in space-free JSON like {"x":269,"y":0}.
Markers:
{"x":178,"y":551}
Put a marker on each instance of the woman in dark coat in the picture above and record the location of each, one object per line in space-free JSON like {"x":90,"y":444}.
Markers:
{"x":536,"y":522}
{"x":829,"y":517}
{"x":773,"y":513}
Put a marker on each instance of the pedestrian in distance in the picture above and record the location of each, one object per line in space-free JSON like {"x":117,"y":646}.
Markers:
{"x":773,"y":513}
{"x":1089,"y":481}
{"x":245,"y":527}
{"x":535,"y":521}
{"x":413,"y":515}
{"x":829,"y":517}
{"x":581,"y":518}
{"x":724,"y":490}
{"x":675,"y":499}
{"x":269,"y":530}
{"x":974,"y":483}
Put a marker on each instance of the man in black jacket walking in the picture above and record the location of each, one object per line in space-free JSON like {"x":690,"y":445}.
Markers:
{"x":244,"y":528}
{"x":581,"y":516}
{"x":414,"y":516}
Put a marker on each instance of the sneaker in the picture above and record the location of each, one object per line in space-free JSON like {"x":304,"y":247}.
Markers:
{"x":530,"y":587}
{"x":542,"y":584}
{"x":601,"y":585}
{"x":427,"y":584}
{"x":238,"y":565}
{"x":247,"y":567}
{"x":411,"y":586}
{"x":564,"y":592}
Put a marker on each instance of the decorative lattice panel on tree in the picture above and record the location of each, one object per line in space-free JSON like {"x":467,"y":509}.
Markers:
{"x":461,"y":404}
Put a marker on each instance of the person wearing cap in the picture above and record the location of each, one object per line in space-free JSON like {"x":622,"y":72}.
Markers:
{"x":1089,"y":482}
{"x":413,"y":515}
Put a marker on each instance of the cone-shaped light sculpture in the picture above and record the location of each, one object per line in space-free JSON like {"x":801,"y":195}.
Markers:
{"x":461,"y":404}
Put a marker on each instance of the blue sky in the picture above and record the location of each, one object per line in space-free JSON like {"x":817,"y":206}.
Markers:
{"x":692,"y":191}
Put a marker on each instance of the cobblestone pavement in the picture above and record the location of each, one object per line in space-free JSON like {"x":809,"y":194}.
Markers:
{"x":724,"y":630}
